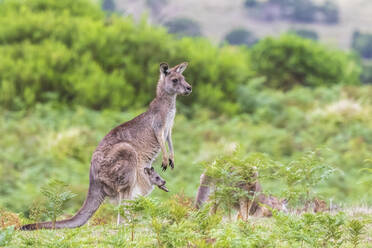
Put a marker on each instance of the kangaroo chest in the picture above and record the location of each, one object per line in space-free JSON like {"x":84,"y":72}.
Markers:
{"x":169,"y":119}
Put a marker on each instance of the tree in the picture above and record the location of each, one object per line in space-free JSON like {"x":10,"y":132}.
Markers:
{"x":183,"y":27}
{"x":330,"y":12}
{"x":108,"y":5}
{"x":291,"y":60}
{"x":362,"y":43}
{"x":305,"y":33}
{"x":241,"y":36}
{"x":250,"y":3}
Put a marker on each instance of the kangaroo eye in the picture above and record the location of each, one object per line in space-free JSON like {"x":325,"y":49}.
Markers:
{"x":175,"y":80}
{"x":157,"y":178}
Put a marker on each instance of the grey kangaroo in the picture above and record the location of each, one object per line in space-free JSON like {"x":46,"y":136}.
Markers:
{"x":117,"y":165}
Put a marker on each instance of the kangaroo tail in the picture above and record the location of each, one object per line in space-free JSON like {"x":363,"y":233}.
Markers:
{"x":94,"y":199}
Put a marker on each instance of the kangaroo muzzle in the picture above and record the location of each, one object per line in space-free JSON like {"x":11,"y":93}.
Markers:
{"x":163,"y":187}
{"x":188,"y":90}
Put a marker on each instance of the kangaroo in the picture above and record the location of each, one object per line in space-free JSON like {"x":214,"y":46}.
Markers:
{"x":155,"y":178}
{"x":117,"y":164}
{"x":257,"y":206}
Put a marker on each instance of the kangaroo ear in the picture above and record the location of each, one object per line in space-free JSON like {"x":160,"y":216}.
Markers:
{"x":148,"y":170}
{"x":152,"y":169}
{"x":181,"y":67}
{"x":164,"y":68}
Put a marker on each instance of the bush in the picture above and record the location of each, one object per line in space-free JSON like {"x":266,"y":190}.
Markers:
{"x":183,"y":27}
{"x":307,"y":11}
{"x":68,"y":55}
{"x":362,"y":43}
{"x":72,"y":57}
{"x":156,"y":5}
{"x":240,"y":36}
{"x":303,"y":11}
{"x":250,"y":3}
{"x":366,"y":76}
{"x":305,"y":33}
{"x":108,"y":5}
{"x":330,"y":12}
{"x":291,"y":60}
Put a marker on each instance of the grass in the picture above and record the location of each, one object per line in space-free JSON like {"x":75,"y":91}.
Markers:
{"x":283,"y":230}
{"x":53,"y":141}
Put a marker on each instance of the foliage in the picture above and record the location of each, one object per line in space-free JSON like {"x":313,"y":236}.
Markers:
{"x":108,"y":5}
{"x":306,"y":11}
{"x":290,"y":61}
{"x":52,"y":141}
{"x":69,"y":52}
{"x":56,"y":194}
{"x":366,"y":76}
{"x":303,"y":11}
{"x":156,"y":5}
{"x":229,"y":171}
{"x":303,"y":175}
{"x":356,"y":230}
{"x":240,"y":36}
{"x":183,"y":27}
{"x":250,"y":3}
{"x":330,"y":12}
{"x":362,"y":44}
{"x":6,"y":235}
{"x":306,"y":33}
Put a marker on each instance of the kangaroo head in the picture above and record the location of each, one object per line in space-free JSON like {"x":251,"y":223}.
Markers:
{"x":172,"y":81}
{"x":155,"y":178}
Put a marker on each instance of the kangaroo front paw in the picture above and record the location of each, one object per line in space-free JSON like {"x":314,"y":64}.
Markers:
{"x":171,"y":163}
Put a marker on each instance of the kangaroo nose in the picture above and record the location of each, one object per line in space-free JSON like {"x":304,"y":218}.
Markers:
{"x":188,"y":88}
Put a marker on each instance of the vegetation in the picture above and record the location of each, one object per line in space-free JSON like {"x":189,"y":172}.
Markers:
{"x":183,"y":27}
{"x":108,"y":5}
{"x":366,"y":76}
{"x":362,"y":43}
{"x":56,"y":196}
{"x":295,"y":109}
{"x":290,"y":61}
{"x":306,"y":11}
{"x":305,"y":33}
{"x":240,"y":36}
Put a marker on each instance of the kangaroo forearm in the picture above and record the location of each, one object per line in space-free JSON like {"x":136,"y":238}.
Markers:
{"x":161,"y":141}
{"x":170,"y":145}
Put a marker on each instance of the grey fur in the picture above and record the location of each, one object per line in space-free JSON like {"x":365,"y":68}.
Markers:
{"x":117,"y":165}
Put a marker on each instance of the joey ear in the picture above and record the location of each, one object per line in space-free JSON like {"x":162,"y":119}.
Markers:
{"x":148,"y":170}
{"x":164,"y":68}
{"x":152,"y":169}
{"x":181,"y":67}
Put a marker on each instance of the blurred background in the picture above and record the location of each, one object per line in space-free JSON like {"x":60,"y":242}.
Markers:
{"x":277,"y":77}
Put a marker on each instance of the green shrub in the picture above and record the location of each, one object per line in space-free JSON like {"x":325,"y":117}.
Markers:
{"x":330,"y":12}
{"x":362,"y":44}
{"x":366,"y":76}
{"x":108,"y":5}
{"x":74,"y":58}
{"x":183,"y":27}
{"x":240,"y":36}
{"x":56,"y":194}
{"x":291,"y":60}
{"x":303,"y":11}
{"x":306,"y":33}
{"x":250,"y":3}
